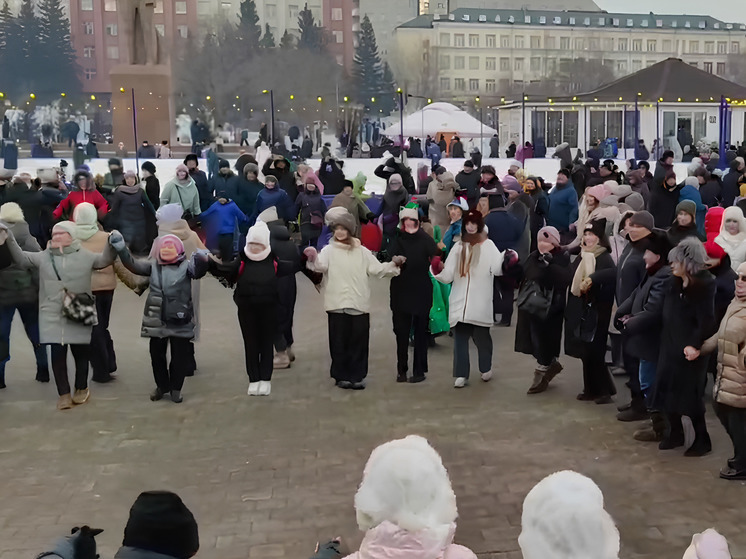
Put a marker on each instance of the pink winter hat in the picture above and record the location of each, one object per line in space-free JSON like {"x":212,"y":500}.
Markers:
{"x":599,"y":192}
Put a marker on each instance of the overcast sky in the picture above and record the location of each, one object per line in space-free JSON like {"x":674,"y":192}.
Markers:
{"x":729,"y":11}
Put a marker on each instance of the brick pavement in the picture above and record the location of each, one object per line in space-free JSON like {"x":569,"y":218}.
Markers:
{"x":267,"y":477}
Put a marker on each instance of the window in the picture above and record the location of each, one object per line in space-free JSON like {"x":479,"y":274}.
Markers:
{"x":636,"y":65}
{"x":535,"y":64}
{"x":505,"y":41}
{"x":721,"y":69}
{"x":579,"y":43}
{"x":570,"y":132}
{"x":473,"y":84}
{"x":519,"y":41}
{"x":339,"y":36}
{"x":695,"y":64}
{"x":708,"y":67}
{"x":564,"y":43}
{"x":594,"y":44}
{"x":458,"y":63}
{"x":293,"y":11}
{"x":608,"y":45}
{"x":459,"y":84}
{"x":622,"y":45}
{"x":735,"y":48}
{"x":112,"y":53}
{"x":490,"y":63}
{"x":473,"y":40}
{"x":667,"y":45}
{"x":550,"y":43}
{"x":183,"y":31}
{"x":445,"y":40}
{"x":491,"y":41}
{"x":180,"y":7}
{"x":458,"y":40}
{"x":445,"y":84}
{"x":652,"y":45}
{"x":112,"y":30}
{"x":89,"y":52}
{"x":88,"y":28}
{"x":205,"y":9}
{"x":445,"y":62}
{"x":693,"y":47}
{"x":473,"y":63}
{"x":505,"y":64}
{"x":722,"y":47}
{"x":518,"y":64}
{"x":90,"y":74}
{"x":700,"y":125}
{"x":161,"y":29}
{"x":637,"y":45}
{"x":535,"y":42}
{"x":340,"y":59}
{"x":336,"y":14}
{"x":709,"y":47}
{"x":271,"y":11}
{"x":621,"y":66}
{"x":598,"y":124}
{"x":87,"y":6}
{"x":159,"y":6}
{"x":110,"y":5}
{"x":490,"y":86}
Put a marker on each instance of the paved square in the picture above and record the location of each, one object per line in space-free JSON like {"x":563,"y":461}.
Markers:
{"x":267,"y":477}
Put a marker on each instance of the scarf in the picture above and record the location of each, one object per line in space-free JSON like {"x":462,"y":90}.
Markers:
{"x":165,"y":240}
{"x":471,"y":245}
{"x":129,"y":189}
{"x":256,"y":257}
{"x":731,"y":243}
{"x":586,"y":268}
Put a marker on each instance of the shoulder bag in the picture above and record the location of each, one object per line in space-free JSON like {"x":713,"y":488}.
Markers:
{"x":76,"y":307}
{"x":534,"y":299}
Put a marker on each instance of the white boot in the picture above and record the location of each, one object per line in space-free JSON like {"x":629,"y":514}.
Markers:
{"x":460,"y":382}
{"x":281,"y":360}
{"x":487,"y":376}
{"x":291,"y":353}
{"x":254,"y":388}
{"x":265,"y":387}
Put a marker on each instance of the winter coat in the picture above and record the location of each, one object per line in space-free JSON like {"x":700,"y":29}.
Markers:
{"x":533,"y":335}
{"x":730,"y":190}
{"x":471,"y":295}
{"x":677,"y":233}
{"x":469,"y":186}
{"x":659,"y":176}
{"x":332,"y":177}
{"x":136,"y":553}
{"x":388,"y":541}
{"x":130,"y":208}
{"x":112,"y":181}
{"x":630,"y":271}
{"x":311,"y":209}
{"x":730,"y":342}
{"x":285,"y":178}
{"x":74,"y":265}
{"x":392,"y":167}
{"x":257,"y":283}
{"x":493,"y":186}
{"x":538,"y":213}
{"x":105,"y":279}
{"x":457,"y":150}
{"x":563,"y":207}
{"x":276,"y":197}
{"x":223,"y":219}
{"x":346,"y":269}
{"x":688,"y":320}
{"x":153,"y":191}
{"x":412,"y":289}
{"x":642,"y":332}
{"x":186,"y":196}
{"x":20,"y":285}
{"x":440,"y":193}
{"x":66,"y":207}
{"x":689,"y":192}
{"x":725,"y":287}
{"x":662,"y":205}
{"x":711,"y":192}
{"x":452,"y":236}
{"x":224,"y":186}
{"x":504,"y":229}
{"x":355,"y":206}
{"x":245,"y":194}
{"x":205,"y":193}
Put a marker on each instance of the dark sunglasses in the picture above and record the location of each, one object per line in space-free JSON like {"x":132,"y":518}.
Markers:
{"x":741,"y":278}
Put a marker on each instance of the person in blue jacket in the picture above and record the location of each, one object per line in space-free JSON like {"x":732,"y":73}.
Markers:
{"x":690,"y":191}
{"x":221,"y":222}
{"x":270,"y":196}
{"x":433,"y":152}
{"x":563,"y":205}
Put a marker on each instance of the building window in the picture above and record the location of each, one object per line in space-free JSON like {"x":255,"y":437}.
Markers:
{"x":340,"y":59}
{"x":608,"y":45}
{"x":667,"y":45}
{"x":490,"y":86}
{"x":87,"y":6}
{"x":293,"y":11}
{"x":336,"y":14}
{"x":735,"y":48}
{"x":518,"y":66}
{"x":180,"y":7}
{"x":622,"y":45}
{"x":621,"y":66}
{"x":158,"y":6}
{"x":445,"y":40}
{"x":550,"y":43}
{"x":693,"y":47}
{"x":271,"y":11}
{"x":535,"y":64}
{"x":722,"y":47}
{"x":694,"y":64}
{"x":183,"y":31}
{"x":161,"y":29}
{"x":505,"y":41}
{"x":709,"y":47}
{"x":519,"y":41}
{"x":458,"y":40}
{"x":112,"y":53}
{"x":445,"y":62}
{"x":90,"y":74}
{"x":458,"y":62}
{"x":110,"y":5}
{"x":473,"y":84}
{"x":579,"y":43}
{"x":473,"y":40}
{"x":491,"y":41}
{"x":708,"y":67}
{"x":505,"y":64}
{"x":652,"y":45}
{"x":535,"y":42}
{"x":564,"y":43}
{"x":636,"y":65}
{"x":88,"y":28}
{"x":721,"y":69}
{"x":473,"y":63}
{"x":339,"y":36}
{"x":205,"y":9}
{"x":445,"y":84}
{"x":490,"y":63}
{"x":459,"y":84}
{"x":112,"y":30}
{"x":89,"y":52}
{"x":637,"y":45}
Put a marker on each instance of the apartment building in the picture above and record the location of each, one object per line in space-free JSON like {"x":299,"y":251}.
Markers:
{"x":481,"y":52}
{"x":444,"y":7}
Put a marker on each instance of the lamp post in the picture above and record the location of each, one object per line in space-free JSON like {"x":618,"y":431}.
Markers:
{"x":401,"y":122}
{"x":272,"y":116}
{"x":422,"y":113}
{"x":481,"y":124}
{"x":134,"y":125}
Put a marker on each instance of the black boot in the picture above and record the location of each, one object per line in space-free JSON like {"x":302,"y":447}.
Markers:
{"x":401,"y":377}
{"x":674,"y":436}
{"x":635,"y":412}
{"x":702,"y":443}
{"x":42,"y":374}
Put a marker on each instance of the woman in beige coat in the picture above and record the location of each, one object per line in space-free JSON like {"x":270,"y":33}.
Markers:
{"x":729,"y":392}
{"x":440,"y":193}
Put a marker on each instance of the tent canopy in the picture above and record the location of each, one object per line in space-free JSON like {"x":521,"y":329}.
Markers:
{"x":439,"y":118}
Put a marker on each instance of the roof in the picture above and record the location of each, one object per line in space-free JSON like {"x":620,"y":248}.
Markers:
{"x":440,"y":117}
{"x":670,"y":80}
{"x":575,"y":19}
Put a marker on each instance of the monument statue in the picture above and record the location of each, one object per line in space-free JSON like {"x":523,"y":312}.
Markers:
{"x":136,"y":21}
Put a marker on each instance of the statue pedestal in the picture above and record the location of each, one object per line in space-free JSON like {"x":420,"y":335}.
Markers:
{"x":155,"y":113}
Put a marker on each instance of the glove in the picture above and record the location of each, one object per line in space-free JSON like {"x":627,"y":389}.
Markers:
{"x":436,"y":265}
{"x":510,"y":259}
{"x":310,"y":253}
{"x":117,"y":241}
{"x":399,"y":260}
{"x":370,"y":216}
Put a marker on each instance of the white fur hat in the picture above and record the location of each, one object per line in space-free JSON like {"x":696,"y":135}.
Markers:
{"x":169,"y":213}
{"x":10,"y":212}
{"x":564,"y":518}
{"x":47,"y":175}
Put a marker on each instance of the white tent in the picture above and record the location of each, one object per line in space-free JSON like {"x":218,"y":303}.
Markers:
{"x":439,"y":118}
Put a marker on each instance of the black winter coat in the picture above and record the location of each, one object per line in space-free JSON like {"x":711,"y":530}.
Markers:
{"x":677,"y":233}
{"x":662,"y":205}
{"x":469,"y":186}
{"x":129,"y":213}
{"x":412,"y":289}
{"x":403,"y":170}
{"x":206,"y":197}
{"x":630,"y":271}
{"x":539,"y":210}
{"x":332,"y":177}
{"x":688,"y":320}
{"x":725,"y":287}
{"x":711,"y":192}
{"x":458,"y":150}
{"x":224,"y":186}
{"x":730,"y":185}
{"x":285,"y":178}
{"x":311,"y":209}
{"x":153,"y":190}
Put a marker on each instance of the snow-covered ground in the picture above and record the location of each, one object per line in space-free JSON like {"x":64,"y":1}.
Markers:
{"x":546,"y":168}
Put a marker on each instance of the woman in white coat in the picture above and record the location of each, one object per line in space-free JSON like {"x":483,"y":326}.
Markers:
{"x":471,"y":267}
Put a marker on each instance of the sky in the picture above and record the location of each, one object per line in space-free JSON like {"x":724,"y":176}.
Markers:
{"x":729,"y":11}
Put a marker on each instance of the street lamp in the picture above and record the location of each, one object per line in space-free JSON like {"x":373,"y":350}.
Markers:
{"x":401,"y":122}
{"x":481,"y":124}
{"x":272,"y":112}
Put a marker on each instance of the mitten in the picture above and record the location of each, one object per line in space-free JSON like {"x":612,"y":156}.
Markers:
{"x":436,"y":265}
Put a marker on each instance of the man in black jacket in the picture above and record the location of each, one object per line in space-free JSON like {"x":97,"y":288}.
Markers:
{"x":468,"y":181}
{"x":730,"y":181}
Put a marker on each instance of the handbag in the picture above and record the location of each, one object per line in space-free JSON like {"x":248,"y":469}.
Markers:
{"x":77,"y":307}
{"x":174,"y":310}
{"x":534,"y":299}
{"x":187,"y":215}
{"x":586,"y":329}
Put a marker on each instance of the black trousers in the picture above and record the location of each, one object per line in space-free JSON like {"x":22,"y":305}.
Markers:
{"x":734,"y":421}
{"x":502,"y":299}
{"x":404,"y":324}
{"x":597,"y":380}
{"x":225,"y":247}
{"x":348,"y":346}
{"x":103,"y":358}
{"x":259,"y":329}
{"x":169,"y":376}
{"x":81,"y":355}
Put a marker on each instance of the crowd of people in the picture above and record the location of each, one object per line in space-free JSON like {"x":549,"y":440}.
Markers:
{"x":644,"y":264}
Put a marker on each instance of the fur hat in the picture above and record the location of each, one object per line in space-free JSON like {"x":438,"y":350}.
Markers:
{"x":691,"y":253}
{"x":643,"y":219}
{"x":635,"y":201}
{"x":619,"y":190}
{"x":473,"y":216}
{"x":7,"y":174}
{"x":564,"y":518}
{"x":149,"y":167}
{"x":549,"y":234}
{"x":409,"y":213}
{"x":251,"y":168}
{"x":691,"y":181}
{"x":10,"y":213}
{"x":689,"y":207}
{"x":47,"y":175}
{"x":340,"y":216}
